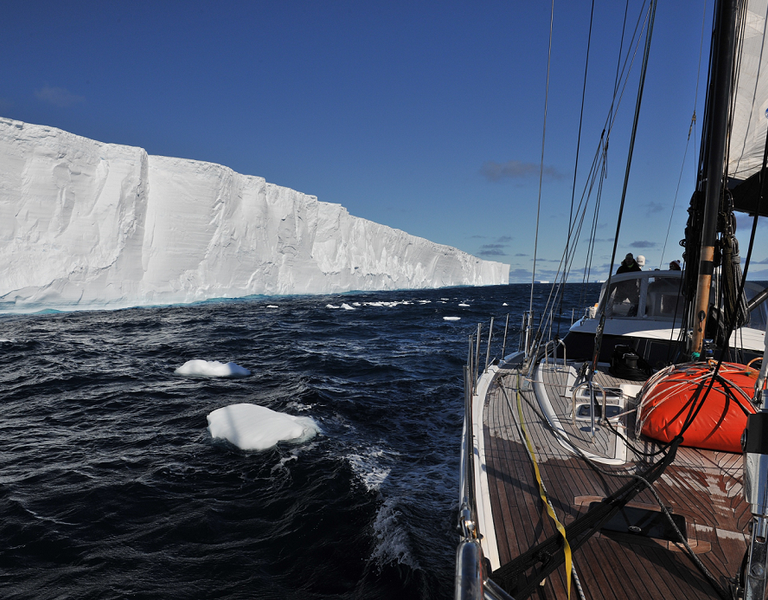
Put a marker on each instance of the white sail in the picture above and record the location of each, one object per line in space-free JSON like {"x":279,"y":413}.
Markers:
{"x":750,"y":119}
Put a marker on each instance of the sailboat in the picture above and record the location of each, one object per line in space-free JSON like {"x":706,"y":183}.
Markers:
{"x":629,"y":459}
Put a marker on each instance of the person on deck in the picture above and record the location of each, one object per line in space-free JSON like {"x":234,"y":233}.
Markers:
{"x":628,"y":265}
{"x":674,"y":265}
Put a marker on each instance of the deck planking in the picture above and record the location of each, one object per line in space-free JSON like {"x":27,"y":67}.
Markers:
{"x":702,"y":485}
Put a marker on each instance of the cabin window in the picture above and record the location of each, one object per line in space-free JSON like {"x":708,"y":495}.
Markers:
{"x":623,"y":299}
{"x":758,"y":316}
{"x":664,"y":300}
{"x":648,"y":296}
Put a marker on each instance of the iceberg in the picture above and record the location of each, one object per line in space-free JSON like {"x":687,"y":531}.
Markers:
{"x":211,"y":368}
{"x":86,"y":224}
{"x":254,"y":427}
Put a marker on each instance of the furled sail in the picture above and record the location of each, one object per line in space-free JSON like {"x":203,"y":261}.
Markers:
{"x":750,"y":109}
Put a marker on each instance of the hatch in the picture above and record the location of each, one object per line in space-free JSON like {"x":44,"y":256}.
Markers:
{"x":645,"y":523}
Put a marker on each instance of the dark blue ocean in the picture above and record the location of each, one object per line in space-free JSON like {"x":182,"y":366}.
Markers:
{"x":112,"y":487}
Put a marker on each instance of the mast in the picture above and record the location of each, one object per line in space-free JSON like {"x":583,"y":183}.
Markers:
{"x":718,"y":102}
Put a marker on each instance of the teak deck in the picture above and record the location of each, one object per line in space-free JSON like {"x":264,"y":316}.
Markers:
{"x":704,"y":486}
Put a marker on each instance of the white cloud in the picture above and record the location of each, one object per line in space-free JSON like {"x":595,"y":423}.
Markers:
{"x":58,"y":96}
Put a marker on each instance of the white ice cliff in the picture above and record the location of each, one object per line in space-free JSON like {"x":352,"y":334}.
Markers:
{"x":86,"y":224}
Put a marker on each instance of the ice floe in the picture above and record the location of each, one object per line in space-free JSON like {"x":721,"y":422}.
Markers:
{"x":211,"y":368}
{"x":253,"y":427}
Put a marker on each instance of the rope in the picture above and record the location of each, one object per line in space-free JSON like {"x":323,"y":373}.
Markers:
{"x":690,"y":128}
{"x":541,"y":168}
{"x":543,"y":492}
{"x":576,"y":163}
{"x":638,"y":102}
{"x":595,"y":177}
{"x":646,"y":479}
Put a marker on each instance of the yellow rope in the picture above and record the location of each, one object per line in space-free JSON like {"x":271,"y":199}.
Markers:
{"x":543,"y":493}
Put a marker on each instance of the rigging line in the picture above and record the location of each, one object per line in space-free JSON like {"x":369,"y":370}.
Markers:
{"x":623,"y":68}
{"x":732,"y":325}
{"x":541,"y":168}
{"x":711,"y":579}
{"x":663,"y":449}
{"x":677,"y":189}
{"x":620,"y":85}
{"x":581,"y":123}
{"x":591,"y":240}
{"x":543,"y":491}
{"x":691,"y":127}
{"x":593,"y":231}
{"x":566,"y":262}
{"x":618,"y":77}
{"x":578,"y":153}
{"x":641,"y":85}
{"x":546,"y":553}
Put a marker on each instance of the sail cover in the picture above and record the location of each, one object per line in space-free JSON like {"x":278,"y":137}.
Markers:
{"x":750,"y":108}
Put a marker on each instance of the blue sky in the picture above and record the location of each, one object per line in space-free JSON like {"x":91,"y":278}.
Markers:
{"x":424,"y":116}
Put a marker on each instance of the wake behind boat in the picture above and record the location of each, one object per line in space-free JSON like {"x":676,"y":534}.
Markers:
{"x":630,"y":459}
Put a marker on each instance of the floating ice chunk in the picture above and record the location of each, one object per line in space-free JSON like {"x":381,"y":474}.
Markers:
{"x":211,"y":368}
{"x":346,"y":306}
{"x":464,"y":305}
{"x":505,"y":304}
{"x":253,"y":427}
{"x":451,"y":318}
{"x":272,"y":306}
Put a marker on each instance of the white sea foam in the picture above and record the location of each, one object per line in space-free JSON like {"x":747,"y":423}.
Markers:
{"x":392,"y":543}
{"x":451,"y":318}
{"x":346,"y":306}
{"x":369,"y":467}
{"x":331,"y":306}
{"x":464,"y":305}
{"x":272,"y":306}
{"x":211,"y":368}
{"x":253,"y":427}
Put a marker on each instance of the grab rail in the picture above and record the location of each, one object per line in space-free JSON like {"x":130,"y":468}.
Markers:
{"x":591,"y":385}
{"x":555,"y":343}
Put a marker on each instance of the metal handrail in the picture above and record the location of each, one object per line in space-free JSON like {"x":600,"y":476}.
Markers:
{"x":554,"y":354}
{"x":471,"y":582}
{"x":488,"y":348}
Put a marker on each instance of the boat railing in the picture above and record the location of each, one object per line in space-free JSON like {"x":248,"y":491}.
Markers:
{"x":471,"y":567}
{"x":591,"y":386}
{"x":475,"y":344}
{"x":526,"y":333}
{"x":554,"y":344}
